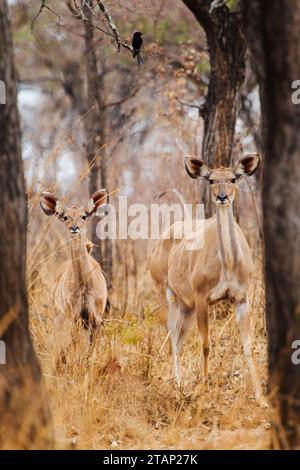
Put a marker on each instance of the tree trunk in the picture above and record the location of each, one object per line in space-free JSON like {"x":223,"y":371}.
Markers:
{"x":24,"y":417}
{"x":95,"y":138}
{"x":227,"y":48}
{"x":274,"y":37}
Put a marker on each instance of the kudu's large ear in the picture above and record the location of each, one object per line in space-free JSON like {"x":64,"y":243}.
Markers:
{"x":50,"y":204}
{"x":247,"y":165}
{"x":196,"y":167}
{"x":99,"y":198}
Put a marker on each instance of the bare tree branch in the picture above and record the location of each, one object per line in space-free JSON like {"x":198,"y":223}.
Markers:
{"x":122,"y":100}
{"x":111,"y":23}
{"x":201,"y":107}
{"x":79,"y":14}
{"x":43,"y":5}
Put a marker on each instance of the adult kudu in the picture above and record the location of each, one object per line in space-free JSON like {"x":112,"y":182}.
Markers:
{"x":220,"y":269}
{"x":80,"y":289}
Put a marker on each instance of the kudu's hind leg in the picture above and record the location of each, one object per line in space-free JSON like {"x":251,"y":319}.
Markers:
{"x":202,"y":321}
{"x":243,"y":320}
{"x":179,"y":322}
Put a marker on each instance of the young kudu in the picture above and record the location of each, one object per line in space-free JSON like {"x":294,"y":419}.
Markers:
{"x":80,"y":290}
{"x":220,"y":269}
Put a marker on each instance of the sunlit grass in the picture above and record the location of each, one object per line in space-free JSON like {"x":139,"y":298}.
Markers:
{"x":120,"y":393}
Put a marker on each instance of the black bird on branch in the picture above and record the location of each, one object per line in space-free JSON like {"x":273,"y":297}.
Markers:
{"x":137,"y":42}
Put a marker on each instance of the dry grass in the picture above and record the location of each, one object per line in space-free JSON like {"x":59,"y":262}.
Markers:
{"x":120,"y":392}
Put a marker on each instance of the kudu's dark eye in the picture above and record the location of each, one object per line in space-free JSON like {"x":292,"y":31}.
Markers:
{"x":83,"y":217}
{"x":211,"y":181}
{"x":65,"y":218}
{"x":233,"y":180}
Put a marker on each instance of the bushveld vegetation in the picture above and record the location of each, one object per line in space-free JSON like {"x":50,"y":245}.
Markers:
{"x":90,"y":118}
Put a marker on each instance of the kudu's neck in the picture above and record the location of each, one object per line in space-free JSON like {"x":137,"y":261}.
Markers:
{"x":228,"y":244}
{"x":80,"y":258}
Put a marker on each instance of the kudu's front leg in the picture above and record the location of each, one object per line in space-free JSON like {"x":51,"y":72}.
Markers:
{"x":243,"y":320}
{"x":179,"y":323}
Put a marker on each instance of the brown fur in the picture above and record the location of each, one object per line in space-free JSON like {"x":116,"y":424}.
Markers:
{"x":80,"y":289}
{"x":220,"y":269}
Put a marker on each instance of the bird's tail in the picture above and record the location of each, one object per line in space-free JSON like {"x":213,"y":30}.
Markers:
{"x":140,"y":59}
{"x":138,"y":56}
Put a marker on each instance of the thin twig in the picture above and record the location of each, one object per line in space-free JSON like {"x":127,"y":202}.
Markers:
{"x":122,"y":100}
{"x":201,"y":107}
{"x":43,"y":5}
{"x":163,"y":345}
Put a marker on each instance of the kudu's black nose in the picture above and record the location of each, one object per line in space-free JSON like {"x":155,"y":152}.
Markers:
{"x":74,"y":228}
{"x":222,"y":197}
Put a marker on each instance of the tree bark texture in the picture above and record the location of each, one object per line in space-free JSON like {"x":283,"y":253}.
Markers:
{"x":273,"y":35}
{"x":95,"y":138}
{"x":24,"y":417}
{"x":227,"y":47}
